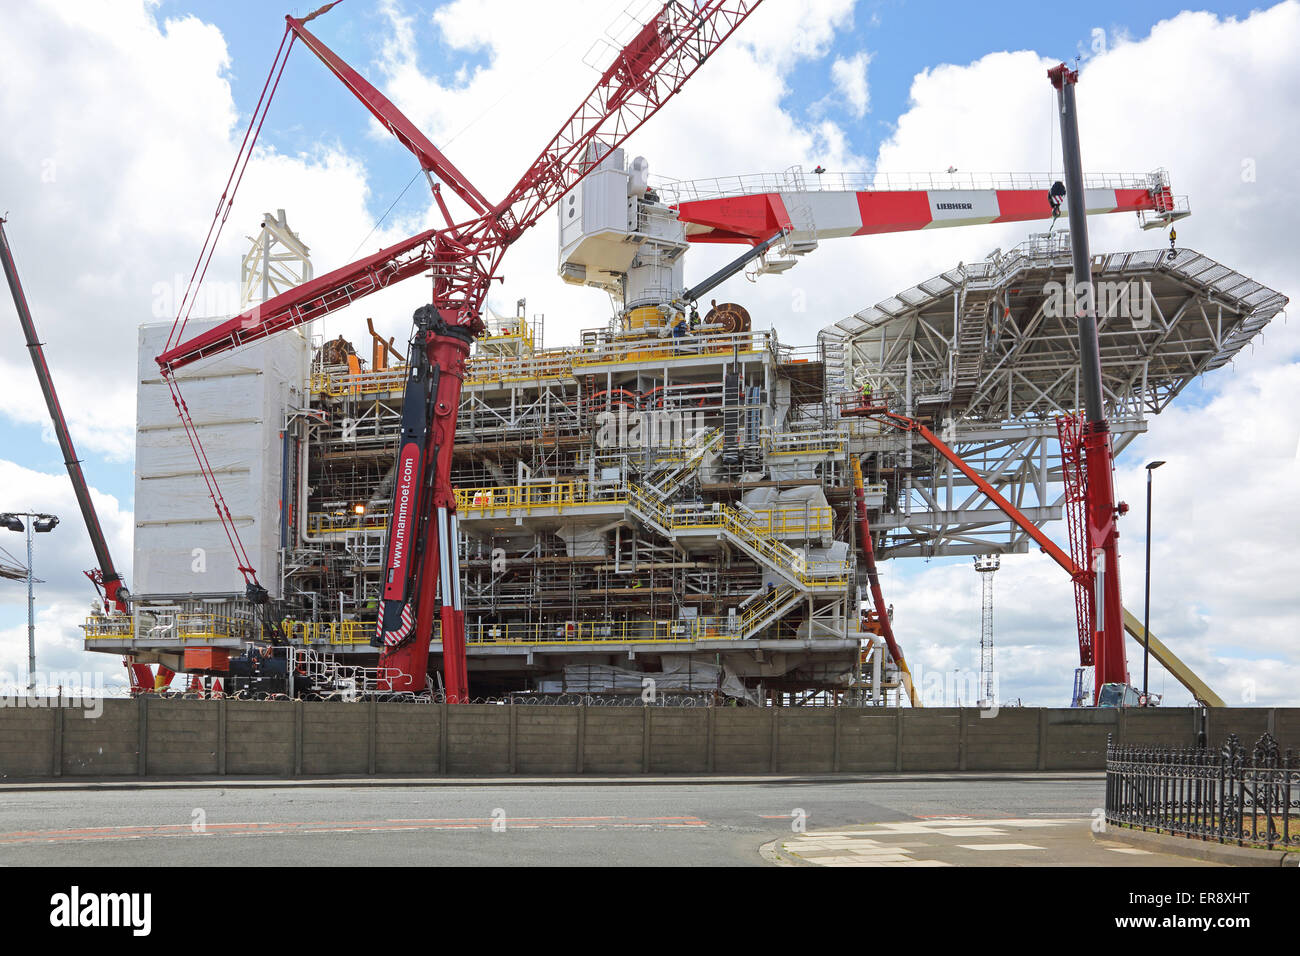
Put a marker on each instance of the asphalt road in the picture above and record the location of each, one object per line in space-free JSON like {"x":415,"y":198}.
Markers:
{"x":660,"y":823}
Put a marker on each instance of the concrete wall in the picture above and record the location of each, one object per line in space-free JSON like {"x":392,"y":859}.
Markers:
{"x":157,"y":737}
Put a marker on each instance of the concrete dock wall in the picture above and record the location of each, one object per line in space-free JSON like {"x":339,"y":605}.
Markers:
{"x":153,"y":737}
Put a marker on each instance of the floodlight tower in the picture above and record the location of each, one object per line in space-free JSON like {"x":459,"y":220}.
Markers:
{"x":41,"y":524}
{"x":986,"y":564}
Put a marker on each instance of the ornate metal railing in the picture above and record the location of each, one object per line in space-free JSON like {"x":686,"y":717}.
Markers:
{"x":1231,"y":795}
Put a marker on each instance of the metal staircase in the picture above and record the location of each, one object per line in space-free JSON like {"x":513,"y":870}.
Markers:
{"x":775,"y":605}
{"x":743,"y":532}
{"x":676,"y":476}
{"x":972,"y":338}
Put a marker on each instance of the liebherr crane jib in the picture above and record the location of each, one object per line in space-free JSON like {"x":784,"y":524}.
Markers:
{"x":464,"y":257}
{"x":749,"y":209}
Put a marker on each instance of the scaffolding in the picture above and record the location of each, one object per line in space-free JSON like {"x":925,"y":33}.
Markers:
{"x":665,"y":498}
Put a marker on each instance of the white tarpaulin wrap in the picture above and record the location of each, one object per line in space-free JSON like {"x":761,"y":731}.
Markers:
{"x":828,"y":560}
{"x":237,"y":401}
{"x":584,"y":541}
{"x":761,"y":499}
{"x":792,"y":470}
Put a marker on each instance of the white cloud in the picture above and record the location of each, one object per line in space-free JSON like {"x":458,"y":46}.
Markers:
{"x":115,"y":143}
{"x":850,"y":79}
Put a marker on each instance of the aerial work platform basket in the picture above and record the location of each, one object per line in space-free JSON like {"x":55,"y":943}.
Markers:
{"x":860,"y":404}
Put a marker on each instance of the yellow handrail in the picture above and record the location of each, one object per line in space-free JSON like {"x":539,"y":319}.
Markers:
{"x":187,"y":627}
{"x":549,"y":363}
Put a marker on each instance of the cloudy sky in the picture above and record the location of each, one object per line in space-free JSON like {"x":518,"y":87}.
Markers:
{"x":121,"y":120}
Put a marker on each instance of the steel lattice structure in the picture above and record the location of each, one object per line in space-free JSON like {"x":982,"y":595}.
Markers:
{"x":984,"y":353}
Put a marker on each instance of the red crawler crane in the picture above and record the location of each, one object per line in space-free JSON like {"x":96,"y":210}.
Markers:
{"x":421,"y":559}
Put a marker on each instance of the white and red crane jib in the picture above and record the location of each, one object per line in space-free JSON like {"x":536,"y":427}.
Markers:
{"x":839,"y":213}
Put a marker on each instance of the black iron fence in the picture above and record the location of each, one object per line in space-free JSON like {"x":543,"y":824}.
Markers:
{"x":1250,"y":798}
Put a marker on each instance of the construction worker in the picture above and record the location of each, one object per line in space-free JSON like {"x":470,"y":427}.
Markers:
{"x":866,"y":393}
{"x":680,"y":329}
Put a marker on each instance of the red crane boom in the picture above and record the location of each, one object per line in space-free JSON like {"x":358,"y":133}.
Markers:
{"x":421,"y":560}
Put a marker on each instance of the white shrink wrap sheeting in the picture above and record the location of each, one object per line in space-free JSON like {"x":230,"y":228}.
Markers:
{"x":828,"y":560}
{"x":584,"y":541}
{"x":759,"y":498}
{"x":237,"y":402}
{"x":792,"y":470}
{"x":811,"y":495}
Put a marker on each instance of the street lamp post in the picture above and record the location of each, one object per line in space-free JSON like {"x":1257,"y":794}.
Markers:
{"x":1146,"y":610}
{"x":39,"y":523}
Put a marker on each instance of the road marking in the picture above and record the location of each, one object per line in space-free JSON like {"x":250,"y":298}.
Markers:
{"x":999,"y":846}
{"x":896,"y":844}
{"x":346,"y":826}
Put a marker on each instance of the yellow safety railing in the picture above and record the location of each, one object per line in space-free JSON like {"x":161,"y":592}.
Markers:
{"x":337,"y":384}
{"x":552,"y":632}
{"x":815,"y":521}
{"x":754,"y":615}
{"x":488,"y":367}
{"x":329,"y":632}
{"x":185,"y":627}
{"x":804,"y":443}
{"x":482,"y":369}
{"x":107,"y":628}
{"x":333,"y":522}
{"x":749,"y":531}
{"x":358,"y":633}
{"x":206,"y":627}
{"x":597,"y":632}
{"x":481,"y":502}
{"x":669,"y":349}
{"x":507,"y":332}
